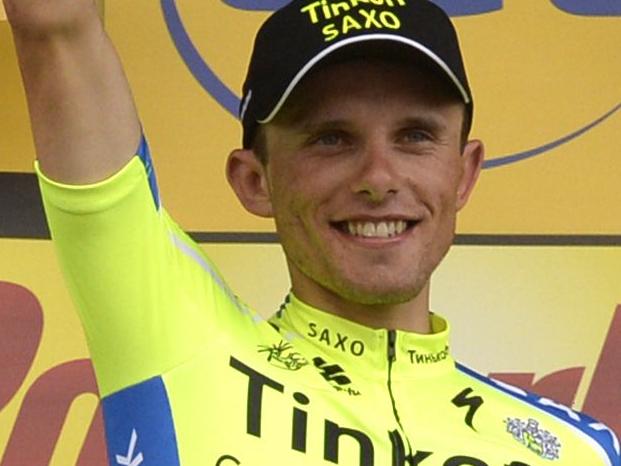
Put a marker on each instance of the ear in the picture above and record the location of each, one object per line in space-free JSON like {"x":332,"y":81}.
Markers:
{"x":248,"y":178}
{"x":472,"y":162}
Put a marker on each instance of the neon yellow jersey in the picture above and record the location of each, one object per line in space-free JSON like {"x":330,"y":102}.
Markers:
{"x":190,"y":376}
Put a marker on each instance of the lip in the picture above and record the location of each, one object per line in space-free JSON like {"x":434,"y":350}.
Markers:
{"x":374,"y":242}
{"x":375,"y":218}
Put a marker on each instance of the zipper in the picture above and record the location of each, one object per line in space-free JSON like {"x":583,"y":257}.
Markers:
{"x":399,"y":452}
{"x":392,"y":352}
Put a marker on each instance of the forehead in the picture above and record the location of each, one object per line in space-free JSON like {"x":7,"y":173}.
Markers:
{"x":373,"y":81}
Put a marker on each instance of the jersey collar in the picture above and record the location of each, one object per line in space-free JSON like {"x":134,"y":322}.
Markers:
{"x":366,"y":349}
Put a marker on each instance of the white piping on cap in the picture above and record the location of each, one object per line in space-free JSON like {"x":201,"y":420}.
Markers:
{"x":245,"y":105}
{"x":298,"y":77}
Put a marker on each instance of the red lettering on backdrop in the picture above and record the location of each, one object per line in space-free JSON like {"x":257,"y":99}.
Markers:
{"x":560,"y":386}
{"x":44,"y":409}
{"x":603,"y":400}
{"x":21,"y":325}
{"x":43,"y":414}
{"x":94,"y":452}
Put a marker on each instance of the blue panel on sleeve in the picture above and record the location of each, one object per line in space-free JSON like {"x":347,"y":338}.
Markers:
{"x":144,"y":154}
{"x":139,"y":426}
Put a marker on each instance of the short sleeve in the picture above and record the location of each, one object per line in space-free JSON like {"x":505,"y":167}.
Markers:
{"x":146,"y":295}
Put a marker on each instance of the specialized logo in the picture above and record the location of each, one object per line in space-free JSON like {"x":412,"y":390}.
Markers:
{"x":283,"y":355}
{"x":465,"y":399}
{"x":341,"y":18}
{"x":536,"y":439}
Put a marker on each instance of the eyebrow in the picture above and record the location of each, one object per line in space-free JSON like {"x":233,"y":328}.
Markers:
{"x":432,"y":123}
{"x":427,"y":121}
{"x":313,"y":126}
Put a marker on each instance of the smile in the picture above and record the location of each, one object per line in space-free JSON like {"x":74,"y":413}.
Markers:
{"x":374,"y":229}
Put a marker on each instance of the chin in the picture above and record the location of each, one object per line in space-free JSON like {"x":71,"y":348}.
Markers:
{"x":375,"y":296}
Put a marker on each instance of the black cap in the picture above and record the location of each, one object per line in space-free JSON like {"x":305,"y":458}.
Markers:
{"x":300,"y":35}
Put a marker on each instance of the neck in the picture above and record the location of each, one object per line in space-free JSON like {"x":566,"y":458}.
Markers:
{"x":411,"y":316}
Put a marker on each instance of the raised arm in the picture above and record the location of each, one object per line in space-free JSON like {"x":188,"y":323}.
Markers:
{"x":83,"y":118}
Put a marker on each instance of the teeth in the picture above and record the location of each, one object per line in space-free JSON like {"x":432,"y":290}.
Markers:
{"x":376,"y":230}
{"x":382,"y":230}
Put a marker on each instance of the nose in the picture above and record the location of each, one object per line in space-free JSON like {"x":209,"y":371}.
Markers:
{"x":377,"y":176}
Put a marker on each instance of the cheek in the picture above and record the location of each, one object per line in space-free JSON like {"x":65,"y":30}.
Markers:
{"x":292,"y":205}
{"x":446,"y":182}
{"x":437,"y":188}
{"x":304,"y":188}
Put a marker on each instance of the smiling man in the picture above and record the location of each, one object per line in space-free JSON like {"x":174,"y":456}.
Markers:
{"x":365,"y":171}
{"x":355,"y":118}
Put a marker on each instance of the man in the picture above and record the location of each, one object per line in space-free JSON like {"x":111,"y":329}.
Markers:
{"x":356,"y":143}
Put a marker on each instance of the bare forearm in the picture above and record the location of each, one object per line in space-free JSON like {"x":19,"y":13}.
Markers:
{"x":83,"y":118}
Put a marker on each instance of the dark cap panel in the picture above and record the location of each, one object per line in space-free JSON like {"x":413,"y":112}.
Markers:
{"x":299,"y":36}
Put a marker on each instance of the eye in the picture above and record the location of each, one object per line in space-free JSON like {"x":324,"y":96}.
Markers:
{"x":414,"y":136}
{"x":329,"y":138}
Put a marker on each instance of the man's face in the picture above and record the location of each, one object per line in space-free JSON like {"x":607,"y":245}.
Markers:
{"x":365,"y":176}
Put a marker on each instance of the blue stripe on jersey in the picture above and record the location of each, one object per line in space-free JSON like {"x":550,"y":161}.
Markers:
{"x":139,"y":426}
{"x":144,"y":154}
{"x":601,"y":434}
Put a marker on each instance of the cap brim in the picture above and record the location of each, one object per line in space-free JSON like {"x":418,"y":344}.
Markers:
{"x":390,"y":38}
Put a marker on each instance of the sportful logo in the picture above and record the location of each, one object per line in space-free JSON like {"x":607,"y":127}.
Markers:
{"x":319,"y":10}
{"x":335,"y":375}
{"x":331,"y":372}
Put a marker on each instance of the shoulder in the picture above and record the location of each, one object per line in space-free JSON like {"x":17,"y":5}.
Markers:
{"x":534,"y":419}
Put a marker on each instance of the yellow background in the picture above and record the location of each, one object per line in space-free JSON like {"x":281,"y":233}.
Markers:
{"x":537,"y":74}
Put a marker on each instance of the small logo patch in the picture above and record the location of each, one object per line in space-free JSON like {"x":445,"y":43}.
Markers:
{"x":536,"y":439}
{"x":282,"y":355}
{"x":335,"y":375}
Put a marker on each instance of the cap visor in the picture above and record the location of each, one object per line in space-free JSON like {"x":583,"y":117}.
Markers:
{"x":339,"y":46}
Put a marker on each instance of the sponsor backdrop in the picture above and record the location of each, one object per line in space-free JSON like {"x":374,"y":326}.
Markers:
{"x":531,"y":288}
